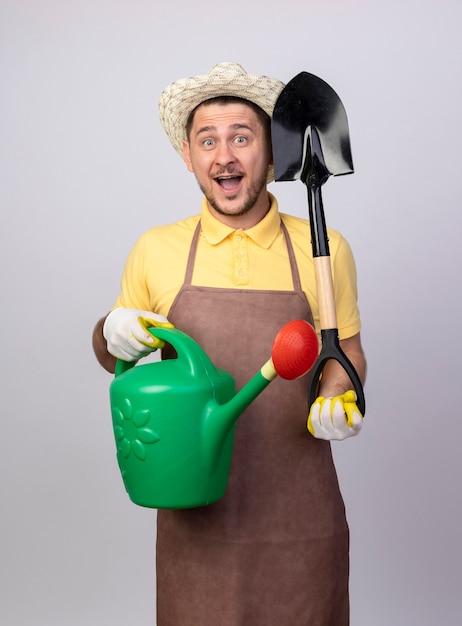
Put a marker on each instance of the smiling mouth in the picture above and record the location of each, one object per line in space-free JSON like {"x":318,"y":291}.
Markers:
{"x":229,"y":183}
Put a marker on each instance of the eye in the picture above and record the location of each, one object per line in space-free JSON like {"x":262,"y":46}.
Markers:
{"x":208,"y":143}
{"x":240,"y":139}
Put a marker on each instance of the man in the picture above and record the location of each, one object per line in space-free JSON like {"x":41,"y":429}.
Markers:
{"x":274,"y":549}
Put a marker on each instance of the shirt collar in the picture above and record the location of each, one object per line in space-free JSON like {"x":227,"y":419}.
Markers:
{"x":263,"y":233}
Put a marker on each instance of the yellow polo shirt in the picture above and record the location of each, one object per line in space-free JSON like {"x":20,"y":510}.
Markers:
{"x":255,"y":258}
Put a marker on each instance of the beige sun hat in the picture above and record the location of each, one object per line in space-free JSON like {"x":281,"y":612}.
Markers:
{"x":225,"y":79}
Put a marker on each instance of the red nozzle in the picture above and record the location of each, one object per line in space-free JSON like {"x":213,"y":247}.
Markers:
{"x":295,"y":349}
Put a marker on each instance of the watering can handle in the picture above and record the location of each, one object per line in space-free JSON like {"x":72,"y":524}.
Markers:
{"x":189,"y":352}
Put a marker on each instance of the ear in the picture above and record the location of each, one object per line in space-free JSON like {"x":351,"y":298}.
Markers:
{"x":187,"y":154}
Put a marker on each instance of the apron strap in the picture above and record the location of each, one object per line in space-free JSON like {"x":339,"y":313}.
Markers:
{"x":192,"y":255}
{"x":293,"y":263}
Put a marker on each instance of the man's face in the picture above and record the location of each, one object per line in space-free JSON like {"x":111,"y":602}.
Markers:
{"x":229,"y":153}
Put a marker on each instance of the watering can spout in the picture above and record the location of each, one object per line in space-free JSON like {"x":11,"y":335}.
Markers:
{"x":220,"y":419}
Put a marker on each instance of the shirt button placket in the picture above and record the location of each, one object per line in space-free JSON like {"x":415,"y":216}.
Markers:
{"x":240,"y":259}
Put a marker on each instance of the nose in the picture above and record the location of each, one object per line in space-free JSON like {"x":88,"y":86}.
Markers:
{"x":224,"y":154}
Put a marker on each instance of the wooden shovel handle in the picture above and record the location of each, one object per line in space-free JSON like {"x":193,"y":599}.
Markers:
{"x":325,"y":292}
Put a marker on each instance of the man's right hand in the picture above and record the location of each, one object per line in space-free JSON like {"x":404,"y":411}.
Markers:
{"x":126,"y":334}
{"x":335,"y":418}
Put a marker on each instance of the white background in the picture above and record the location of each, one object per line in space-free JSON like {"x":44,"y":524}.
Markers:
{"x":85,"y":168}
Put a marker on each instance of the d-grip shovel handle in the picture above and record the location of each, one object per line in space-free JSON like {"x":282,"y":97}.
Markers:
{"x":331,"y":350}
{"x":189,"y":353}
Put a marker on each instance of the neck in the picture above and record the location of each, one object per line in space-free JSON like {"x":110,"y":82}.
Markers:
{"x":245,"y":220}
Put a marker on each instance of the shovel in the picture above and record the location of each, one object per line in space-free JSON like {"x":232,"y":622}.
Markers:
{"x":310,"y":142}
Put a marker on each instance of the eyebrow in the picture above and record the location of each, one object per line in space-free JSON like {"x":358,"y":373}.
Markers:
{"x":236,"y":126}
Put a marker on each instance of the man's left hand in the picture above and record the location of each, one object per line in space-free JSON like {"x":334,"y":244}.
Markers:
{"x":335,"y":418}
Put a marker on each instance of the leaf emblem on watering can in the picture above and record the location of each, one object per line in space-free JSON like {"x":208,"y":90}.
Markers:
{"x":130,"y":430}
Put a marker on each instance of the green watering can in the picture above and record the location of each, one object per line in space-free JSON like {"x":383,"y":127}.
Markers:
{"x":174,"y":420}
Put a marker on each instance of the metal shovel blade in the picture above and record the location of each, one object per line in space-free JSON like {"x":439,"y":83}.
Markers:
{"x":306,"y":103}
